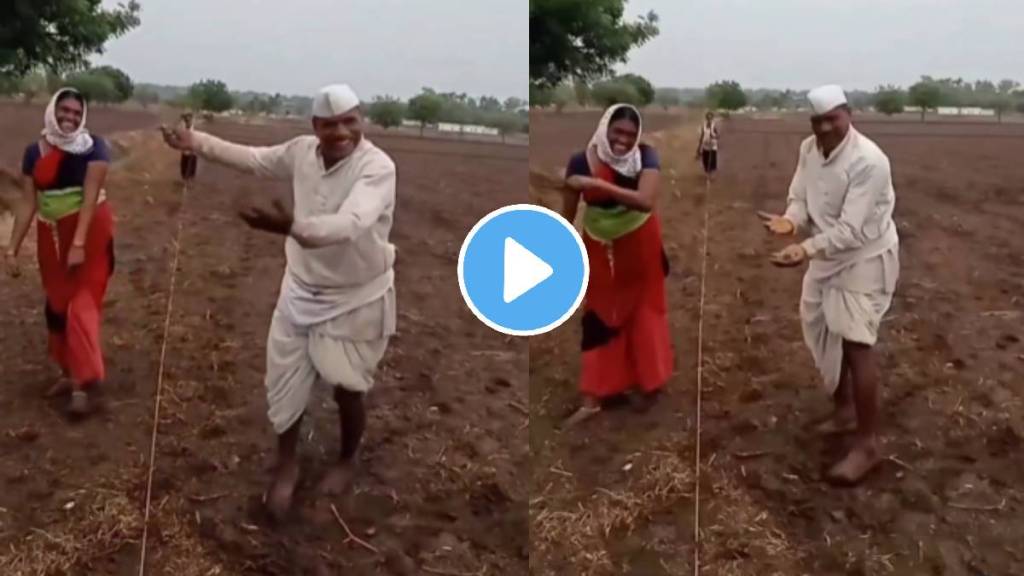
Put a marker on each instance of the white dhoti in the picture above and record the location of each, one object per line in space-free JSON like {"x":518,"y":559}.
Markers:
{"x":343,"y":351}
{"x":845,"y":305}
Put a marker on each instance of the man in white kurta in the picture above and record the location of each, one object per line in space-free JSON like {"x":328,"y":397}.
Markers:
{"x":336,"y":309}
{"x":842,"y":196}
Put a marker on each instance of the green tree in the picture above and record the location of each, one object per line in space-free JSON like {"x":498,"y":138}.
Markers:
{"x":926,"y":95}
{"x":611,"y":92}
{"x":541,"y":96}
{"x":9,"y":84}
{"x":489,"y":104}
{"x":146,"y":96}
{"x":33,"y":84}
{"x":211,"y":95}
{"x":505,"y":123}
{"x":97,"y":88}
{"x":426,"y":108}
{"x":58,"y":34}
{"x":642,"y":85}
{"x":582,"y":38}
{"x":513,"y":104}
{"x":563,"y":96}
{"x":582,"y":90}
{"x":770,"y":100}
{"x":387,"y":112}
{"x":122,"y":82}
{"x":726,"y":95}
{"x":667,"y":98}
{"x":1008,"y":86}
{"x":890,"y":100}
{"x":1001,"y":103}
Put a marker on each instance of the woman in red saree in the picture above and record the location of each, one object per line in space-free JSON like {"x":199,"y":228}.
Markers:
{"x":626,"y":339}
{"x":64,"y":173}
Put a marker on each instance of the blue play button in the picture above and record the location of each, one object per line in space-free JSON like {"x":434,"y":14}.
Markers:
{"x":523,"y":270}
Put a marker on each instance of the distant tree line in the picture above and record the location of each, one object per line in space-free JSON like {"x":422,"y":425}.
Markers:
{"x":108,"y":85}
{"x":926,"y":95}
{"x":430,"y":107}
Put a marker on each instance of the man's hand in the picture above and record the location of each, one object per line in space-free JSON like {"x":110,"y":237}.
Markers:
{"x":278,"y":219}
{"x":179,"y":138}
{"x":792,"y":255}
{"x":76,"y":256}
{"x":11,"y":265}
{"x":775,"y":224}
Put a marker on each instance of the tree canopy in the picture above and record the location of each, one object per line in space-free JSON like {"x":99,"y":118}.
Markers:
{"x":726,"y":95}
{"x":387,"y":112}
{"x":211,"y":95}
{"x":58,"y":35}
{"x":582,"y":38}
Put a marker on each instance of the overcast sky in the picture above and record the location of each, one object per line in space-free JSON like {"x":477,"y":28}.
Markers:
{"x":380,"y":47}
{"x":804,"y":43}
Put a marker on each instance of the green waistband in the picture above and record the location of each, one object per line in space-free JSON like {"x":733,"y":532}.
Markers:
{"x":56,"y":204}
{"x":608,"y":224}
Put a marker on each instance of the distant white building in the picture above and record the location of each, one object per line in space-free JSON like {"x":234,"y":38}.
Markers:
{"x":965,"y":111}
{"x":467,"y":129}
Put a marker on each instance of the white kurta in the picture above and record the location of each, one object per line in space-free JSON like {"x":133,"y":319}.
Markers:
{"x":336,"y":310}
{"x":845,"y":202}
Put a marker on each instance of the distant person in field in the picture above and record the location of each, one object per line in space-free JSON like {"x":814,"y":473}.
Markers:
{"x":64,"y":175}
{"x":842,"y":196}
{"x":707,"y":145}
{"x":188,"y":158}
{"x":336,"y":310}
{"x":626,"y":341}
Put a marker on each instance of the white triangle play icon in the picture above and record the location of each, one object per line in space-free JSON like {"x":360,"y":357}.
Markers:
{"x":523,"y":270}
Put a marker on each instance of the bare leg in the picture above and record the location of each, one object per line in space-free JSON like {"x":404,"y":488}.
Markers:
{"x":61,"y":387}
{"x":591,"y":406}
{"x":863,"y":456}
{"x":286,"y":474}
{"x":844,"y":415}
{"x":352,"y":423}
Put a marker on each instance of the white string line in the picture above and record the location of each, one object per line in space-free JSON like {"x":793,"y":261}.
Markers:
{"x":700,"y":379}
{"x":160,"y":380}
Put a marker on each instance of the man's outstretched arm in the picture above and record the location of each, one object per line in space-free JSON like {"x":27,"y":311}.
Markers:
{"x":265,"y":161}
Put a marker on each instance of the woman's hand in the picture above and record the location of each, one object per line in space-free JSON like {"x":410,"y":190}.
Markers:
{"x":11,"y":265}
{"x":76,"y":256}
{"x":580,"y":183}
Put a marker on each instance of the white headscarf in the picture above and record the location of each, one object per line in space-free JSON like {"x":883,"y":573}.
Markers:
{"x":628,"y":164}
{"x":334,"y":100}
{"x":77,"y":142}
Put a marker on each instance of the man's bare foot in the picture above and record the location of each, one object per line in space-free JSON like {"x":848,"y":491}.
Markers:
{"x":61,"y":387}
{"x":338,"y":479}
{"x":842,"y":421}
{"x":79,"y":407}
{"x":861,"y":459}
{"x":282,"y":490}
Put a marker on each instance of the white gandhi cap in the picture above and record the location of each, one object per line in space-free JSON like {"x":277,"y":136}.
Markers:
{"x":334,"y":100}
{"x":826,"y":98}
